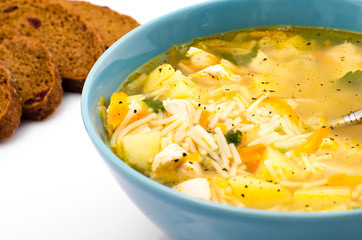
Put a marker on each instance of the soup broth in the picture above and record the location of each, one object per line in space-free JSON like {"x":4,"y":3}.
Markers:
{"x":241,"y":118}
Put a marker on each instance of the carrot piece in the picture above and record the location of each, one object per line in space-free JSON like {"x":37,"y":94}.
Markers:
{"x":251,"y":155}
{"x":204,"y":119}
{"x":283,"y":108}
{"x":143,"y":113}
{"x":314,"y":142}
{"x":343,"y":179}
{"x":118,"y":109}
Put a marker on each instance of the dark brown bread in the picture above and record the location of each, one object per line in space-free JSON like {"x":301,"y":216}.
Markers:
{"x":10,"y":107}
{"x":37,"y":79}
{"x":110,"y":24}
{"x":74,"y":44}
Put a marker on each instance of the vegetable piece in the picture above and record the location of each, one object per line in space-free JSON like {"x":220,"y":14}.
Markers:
{"x":236,"y":46}
{"x":205,"y":114}
{"x":102,"y":110}
{"x":155,"y":105}
{"x":138,"y":115}
{"x":343,"y":179}
{"x":283,"y":150}
{"x":279,"y":161}
{"x":118,"y":109}
{"x":282,"y":108}
{"x":120,"y":105}
{"x":241,"y":59}
{"x":157,"y":76}
{"x":135,"y":83}
{"x":352,"y":80}
{"x":180,"y":90}
{"x":255,"y":192}
{"x":233,"y":137}
{"x":130,"y":149}
{"x":179,"y":86}
{"x":251,"y":155}
{"x":322,"y":197}
{"x":313,"y":143}
{"x":279,"y":130}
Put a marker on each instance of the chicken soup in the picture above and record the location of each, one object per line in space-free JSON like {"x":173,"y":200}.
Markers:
{"x":241,"y":118}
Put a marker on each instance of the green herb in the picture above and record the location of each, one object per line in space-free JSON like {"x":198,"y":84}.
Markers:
{"x":155,"y":105}
{"x":351,"y":79}
{"x":283,"y":150}
{"x":279,"y":130}
{"x":240,"y":59}
{"x":233,"y":137}
{"x":309,"y":129}
{"x":133,"y":77}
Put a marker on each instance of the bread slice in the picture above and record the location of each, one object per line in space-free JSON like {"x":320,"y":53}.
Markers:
{"x":110,"y":24}
{"x":74,"y":44}
{"x":10,"y":107}
{"x":37,"y":79}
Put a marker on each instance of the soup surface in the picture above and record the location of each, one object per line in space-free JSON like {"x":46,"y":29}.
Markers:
{"x":241,"y":118}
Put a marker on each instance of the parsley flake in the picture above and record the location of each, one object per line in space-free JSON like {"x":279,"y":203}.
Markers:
{"x":155,"y":105}
{"x":233,"y":137}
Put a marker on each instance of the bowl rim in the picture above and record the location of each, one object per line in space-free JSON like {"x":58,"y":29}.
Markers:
{"x":205,"y":206}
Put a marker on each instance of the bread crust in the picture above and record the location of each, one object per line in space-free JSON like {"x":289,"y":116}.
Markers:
{"x":10,"y":113}
{"x":53,"y":98}
{"x":32,"y":69}
{"x":74,"y":44}
{"x":110,"y":24}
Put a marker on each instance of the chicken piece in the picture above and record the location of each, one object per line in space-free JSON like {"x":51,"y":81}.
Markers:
{"x":196,"y":187}
{"x":215,"y":72}
{"x":180,"y":107}
{"x":201,"y":58}
{"x":168,"y":160}
{"x":347,"y":57}
{"x":190,"y":168}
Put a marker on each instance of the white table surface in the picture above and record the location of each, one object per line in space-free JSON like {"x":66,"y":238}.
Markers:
{"x":53,"y":183}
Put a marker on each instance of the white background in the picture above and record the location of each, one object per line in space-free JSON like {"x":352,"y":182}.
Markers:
{"x":53,"y":183}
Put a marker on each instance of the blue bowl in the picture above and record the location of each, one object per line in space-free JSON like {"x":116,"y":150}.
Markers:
{"x":176,"y":214}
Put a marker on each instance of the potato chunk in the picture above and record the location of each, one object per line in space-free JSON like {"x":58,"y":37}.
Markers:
{"x":279,"y":161}
{"x":258,"y":193}
{"x":138,"y":157}
{"x":322,"y":197}
{"x":179,"y":87}
{"x":157,"y":76}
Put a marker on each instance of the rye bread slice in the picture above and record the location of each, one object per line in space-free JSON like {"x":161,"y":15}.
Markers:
{"x":38,"y":81}
{"x":110,"y":24}
{"x":74,"y":44}
{"x":10,"y":107}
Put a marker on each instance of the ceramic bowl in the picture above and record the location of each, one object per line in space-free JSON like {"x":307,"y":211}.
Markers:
{"x":180,"y":216}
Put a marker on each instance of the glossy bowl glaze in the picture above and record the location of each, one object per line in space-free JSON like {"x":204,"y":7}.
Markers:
{"x":181,"y":216}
